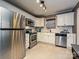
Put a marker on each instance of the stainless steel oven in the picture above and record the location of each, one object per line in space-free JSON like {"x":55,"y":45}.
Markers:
{"x":32,"y":40}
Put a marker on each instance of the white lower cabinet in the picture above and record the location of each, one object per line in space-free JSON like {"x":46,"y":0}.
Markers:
{"x":27,"y":40}
{"x":71,"y":39}
{"x":46,"y":37}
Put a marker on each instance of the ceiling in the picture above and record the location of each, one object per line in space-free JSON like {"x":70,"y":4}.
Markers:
{"x":53,"y":6}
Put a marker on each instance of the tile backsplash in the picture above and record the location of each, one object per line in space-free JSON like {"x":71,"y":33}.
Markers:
{"x":58,"y":29}
{"x":68,"y":28}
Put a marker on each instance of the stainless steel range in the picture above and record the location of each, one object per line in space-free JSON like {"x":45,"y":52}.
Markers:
{"x":32,"y":40}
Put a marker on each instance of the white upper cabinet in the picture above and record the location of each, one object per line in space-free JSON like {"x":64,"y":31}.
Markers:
{"x":69,"y":18}
{"x":60,"y":20}
{"x":66,"y":19}
{"x":39,"y":22}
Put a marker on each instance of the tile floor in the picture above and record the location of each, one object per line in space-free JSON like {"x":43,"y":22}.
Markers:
{"x":47,"y":51}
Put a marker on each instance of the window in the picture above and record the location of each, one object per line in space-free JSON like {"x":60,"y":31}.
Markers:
{"x":51,"y":23}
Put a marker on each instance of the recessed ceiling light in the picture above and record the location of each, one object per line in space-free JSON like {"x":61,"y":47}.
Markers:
{"x":41,"y":5}
{"x":41,"y":2}
{"x":38,"y":1}
{"x":44,"y":8}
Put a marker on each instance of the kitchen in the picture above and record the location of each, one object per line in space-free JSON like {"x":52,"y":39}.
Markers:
{"x":51,"y":33}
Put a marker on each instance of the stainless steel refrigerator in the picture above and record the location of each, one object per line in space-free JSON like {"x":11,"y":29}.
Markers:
{"x":12,"y":34}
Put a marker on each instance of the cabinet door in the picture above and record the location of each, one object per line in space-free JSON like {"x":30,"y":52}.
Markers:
{"x":39,"y":22}
{"x":69,"y":19}
{"x":43,"y":37}
{"x":36,"y":23}
{"x":40,"y":36}
{"x":46,"y":37}
{"x":60,"y":20}
{"x":70,"y":39}
{"x":78,"y":26}
{"x":51,"y":38}
{"x":27,"y":40}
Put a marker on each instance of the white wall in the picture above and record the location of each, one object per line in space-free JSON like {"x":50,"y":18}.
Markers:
{"x":15,"y":9}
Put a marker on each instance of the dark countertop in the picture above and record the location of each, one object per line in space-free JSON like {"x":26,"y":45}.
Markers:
{"x":61,"y":34}
{"x":76,"y":48}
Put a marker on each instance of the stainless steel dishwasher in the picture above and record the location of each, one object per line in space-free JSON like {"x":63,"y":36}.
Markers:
{"x":61,"y":40}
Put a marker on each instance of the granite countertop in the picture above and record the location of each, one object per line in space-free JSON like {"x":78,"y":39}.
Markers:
{"x":76,"y":48}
